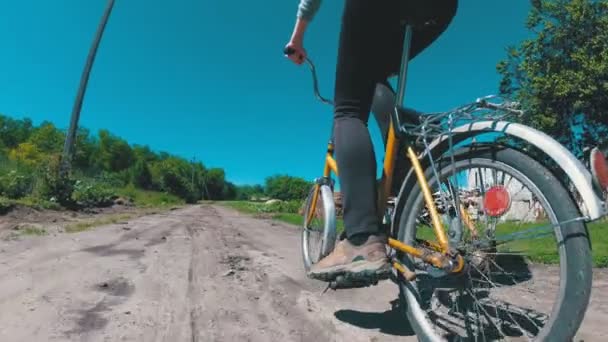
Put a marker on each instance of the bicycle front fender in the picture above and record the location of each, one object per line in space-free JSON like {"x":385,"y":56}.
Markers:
{"x":592,"y":205}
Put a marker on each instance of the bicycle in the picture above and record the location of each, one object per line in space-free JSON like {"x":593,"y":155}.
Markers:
{"x":445,"y":283}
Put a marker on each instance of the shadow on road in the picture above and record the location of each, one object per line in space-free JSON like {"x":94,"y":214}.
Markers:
{"x":472,"y":294}
{"x":391,"y":322}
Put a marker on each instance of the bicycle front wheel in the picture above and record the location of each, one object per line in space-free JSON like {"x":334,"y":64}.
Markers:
{"x":319,"y":229}
{"x":528,"y":262}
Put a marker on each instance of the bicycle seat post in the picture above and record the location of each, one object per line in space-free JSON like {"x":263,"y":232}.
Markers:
{"x":407,"y":43}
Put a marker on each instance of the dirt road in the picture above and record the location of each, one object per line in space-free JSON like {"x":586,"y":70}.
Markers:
{"x":202,"y":273}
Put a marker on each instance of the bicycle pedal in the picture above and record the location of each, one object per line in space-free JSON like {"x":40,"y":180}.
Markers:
{"x":358,"y":281}
{"x":342,"y":283}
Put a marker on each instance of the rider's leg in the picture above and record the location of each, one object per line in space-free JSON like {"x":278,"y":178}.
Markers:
{"x":360,"y":58}
{"x":370,"y":46}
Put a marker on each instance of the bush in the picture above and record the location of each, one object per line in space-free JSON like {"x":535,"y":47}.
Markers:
{"x":286,"y":188}
{"x":5,"y":205}
{"x":114,"y":179}
{"x":51,"y":186}
{"x":15,"y":184}
{"x":38,"y":203}
{"x":285,"y":207}
{"x":141,"y":176}
{"x":89,"y":194}
{"x":146,"y":198}
{"x":174,"y":176}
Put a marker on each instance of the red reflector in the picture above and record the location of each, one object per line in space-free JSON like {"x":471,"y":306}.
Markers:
{"x":599,"y":168}
{"x":496,"y":201}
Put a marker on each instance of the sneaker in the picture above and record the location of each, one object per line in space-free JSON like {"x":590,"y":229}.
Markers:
{"x":599,"y":168}
{"x":357,"y":263}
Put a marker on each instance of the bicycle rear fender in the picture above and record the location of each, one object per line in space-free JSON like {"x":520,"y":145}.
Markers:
{"x":592,"y":206}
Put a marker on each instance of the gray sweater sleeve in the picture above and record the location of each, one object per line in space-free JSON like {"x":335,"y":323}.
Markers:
{"x":308,"y":8}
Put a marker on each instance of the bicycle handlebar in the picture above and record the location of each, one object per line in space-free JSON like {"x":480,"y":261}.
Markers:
{"x":290,"y":51}
{"x":481,"y":102}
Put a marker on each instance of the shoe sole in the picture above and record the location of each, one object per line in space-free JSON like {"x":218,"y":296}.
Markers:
{"x":355,"y":272}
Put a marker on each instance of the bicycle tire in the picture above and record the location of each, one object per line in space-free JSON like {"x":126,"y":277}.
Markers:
{"x":328,"y":226}
{"x":575,"y":250}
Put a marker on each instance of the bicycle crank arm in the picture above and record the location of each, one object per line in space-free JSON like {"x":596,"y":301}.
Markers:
{"x":443,"y":262}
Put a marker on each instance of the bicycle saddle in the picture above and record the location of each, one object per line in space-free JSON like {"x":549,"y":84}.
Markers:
{"x":418,"y":14}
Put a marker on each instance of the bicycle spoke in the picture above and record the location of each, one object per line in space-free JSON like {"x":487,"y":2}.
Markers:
{"x":487,"y":315}
{"x":505,"y":309}
{"x":542,"y":231}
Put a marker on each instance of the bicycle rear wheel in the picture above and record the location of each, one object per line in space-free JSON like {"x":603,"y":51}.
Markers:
{"x":531,"y":286}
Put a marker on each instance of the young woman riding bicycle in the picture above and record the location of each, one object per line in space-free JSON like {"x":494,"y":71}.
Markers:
{"x":369,"y":52}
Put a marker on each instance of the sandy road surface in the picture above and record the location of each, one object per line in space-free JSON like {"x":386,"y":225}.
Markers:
{"x":202,"y":273}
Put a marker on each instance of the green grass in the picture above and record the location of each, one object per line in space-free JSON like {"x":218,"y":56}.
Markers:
{"x":33,"y":231}
{"x":88,"y":224}
{"x":146,"y":199}
{"x":254,"y":208}
{"x":260,"y":209}
{"x":599,"y":243}
{"x":243,"y":206}
{"x":141,"y":198}
{"x":6,"y":204}
{"x":294,"y":219}
{"x":543,"y":250}
{"x":37,"y":203}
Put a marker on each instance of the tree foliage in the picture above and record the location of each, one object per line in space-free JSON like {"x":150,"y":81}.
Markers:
{"x":30,"y":161}
{"x":26,"y":153}
{"x":246,"y":192}
{"x":286,"y":187}
{"x":47,"y":138}
{"x":141,"y":176}
{"x":29,"y":165}
{"x":560,"y":75}
{"x":114,"y":153}
{"x":13,"y":131}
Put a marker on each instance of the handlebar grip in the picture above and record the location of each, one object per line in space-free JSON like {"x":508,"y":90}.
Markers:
{"x":289,"y":51}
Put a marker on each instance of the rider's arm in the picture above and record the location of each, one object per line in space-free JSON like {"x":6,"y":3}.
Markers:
{"x":307,"y":9}
{"x":306,"y":12}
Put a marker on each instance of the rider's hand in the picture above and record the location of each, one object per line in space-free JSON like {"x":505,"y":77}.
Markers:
{"x":297,"y":52}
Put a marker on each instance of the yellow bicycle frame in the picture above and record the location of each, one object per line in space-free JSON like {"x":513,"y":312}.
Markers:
{"x":437,"y":259}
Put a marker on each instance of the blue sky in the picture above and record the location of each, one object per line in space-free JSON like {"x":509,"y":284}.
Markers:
{"x":207,"y":79}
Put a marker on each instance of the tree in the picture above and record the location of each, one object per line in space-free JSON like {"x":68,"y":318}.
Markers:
{"x":229,"y":192}
{"x":214,"y":180}
{"x":115,"y":154}
{"x":140,"y":175}
{"x":173,"y":176}
{"x":27,"y":154}
{"x":286,"y":187}
{"x":144,"y":153}
{"x":245,"y":192}
{"x":84,"y":150}
{"x":14,"y":132}
{"x":47,"y":138}
{"x":561,"y":74}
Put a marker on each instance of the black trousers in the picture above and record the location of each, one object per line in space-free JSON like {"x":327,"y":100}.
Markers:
{"x":370,"y":50}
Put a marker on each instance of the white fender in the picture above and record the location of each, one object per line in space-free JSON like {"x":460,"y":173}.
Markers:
{"x":576,"y":171}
